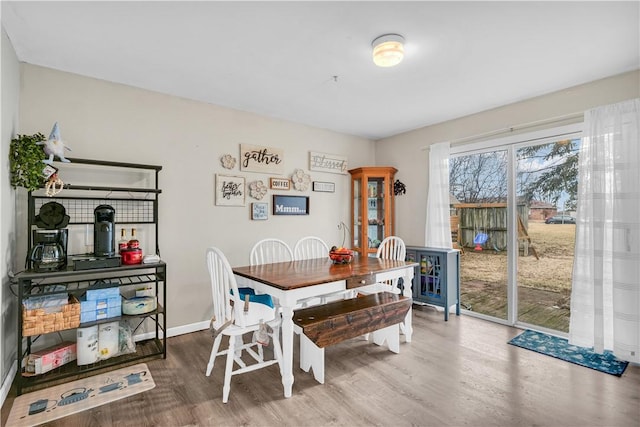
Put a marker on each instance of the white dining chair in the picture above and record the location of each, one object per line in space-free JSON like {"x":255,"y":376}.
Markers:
{"x":233,"y":317}
{"x":310,"y":247}
{"x":270,"y":250}
{"x":392,"y":247}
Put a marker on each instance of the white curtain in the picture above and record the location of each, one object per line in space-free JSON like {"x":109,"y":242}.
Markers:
{"x":605,"y":295}
{"x":438,"y":229}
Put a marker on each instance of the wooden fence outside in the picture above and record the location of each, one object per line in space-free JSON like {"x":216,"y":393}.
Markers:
{"x":488,"y":218}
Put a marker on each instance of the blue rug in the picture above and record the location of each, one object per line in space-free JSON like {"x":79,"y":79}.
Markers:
{"x":561,"y":349}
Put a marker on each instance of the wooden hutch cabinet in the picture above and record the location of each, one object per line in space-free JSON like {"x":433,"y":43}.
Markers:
{"x":372,"y":207}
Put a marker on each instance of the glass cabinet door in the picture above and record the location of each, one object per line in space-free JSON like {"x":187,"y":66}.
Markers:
{"x":357,"y":213}
{"x":375,"y":212}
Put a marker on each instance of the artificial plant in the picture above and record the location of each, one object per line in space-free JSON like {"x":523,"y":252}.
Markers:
{"x":25,"y":161}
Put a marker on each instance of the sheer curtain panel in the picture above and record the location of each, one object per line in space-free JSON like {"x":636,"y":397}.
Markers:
{"x":605,"y":297}
{"x":438,"y":229}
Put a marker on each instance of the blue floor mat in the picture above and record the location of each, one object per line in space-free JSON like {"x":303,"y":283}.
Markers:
{"x":561,"y":349}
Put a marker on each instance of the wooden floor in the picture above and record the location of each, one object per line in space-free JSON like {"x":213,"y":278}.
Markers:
{"x":456,"y":373}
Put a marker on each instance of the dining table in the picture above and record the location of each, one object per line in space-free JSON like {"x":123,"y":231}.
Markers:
{"x":292,"y":282}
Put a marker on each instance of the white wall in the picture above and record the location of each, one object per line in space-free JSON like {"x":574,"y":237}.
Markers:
{"x":10,"y":91}
{"x":102,"y":120}
{"x":406,"y":151}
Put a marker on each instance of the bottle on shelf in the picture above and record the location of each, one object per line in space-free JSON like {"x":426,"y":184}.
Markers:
{"x":134,"y":243}
{"x":123,"y":243}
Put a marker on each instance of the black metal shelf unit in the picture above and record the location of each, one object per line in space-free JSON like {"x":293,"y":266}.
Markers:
{"x":134,"y":205}
{"x":139,"y":205}
{"x":76,"y":283}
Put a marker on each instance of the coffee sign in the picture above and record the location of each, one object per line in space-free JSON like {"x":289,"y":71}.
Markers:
{"x":255,"y":158}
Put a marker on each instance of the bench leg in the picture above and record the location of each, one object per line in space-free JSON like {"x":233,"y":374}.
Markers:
{"x":312,"y":357}
{"x":391,"y":335}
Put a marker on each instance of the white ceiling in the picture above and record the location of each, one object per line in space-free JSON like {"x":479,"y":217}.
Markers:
{"x":278,"y":58}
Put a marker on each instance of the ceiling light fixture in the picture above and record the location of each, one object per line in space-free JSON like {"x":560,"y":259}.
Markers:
{"x":388,"y":50}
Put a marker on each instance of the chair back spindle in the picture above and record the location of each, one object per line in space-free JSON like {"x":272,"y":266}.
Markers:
{"x":270,"y":250}
{"x":310,"y":247}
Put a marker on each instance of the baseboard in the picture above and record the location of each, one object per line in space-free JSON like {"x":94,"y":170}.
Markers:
{"x":174,"y":332}
{"x":171,"y":332}
{"x":7,"y":382}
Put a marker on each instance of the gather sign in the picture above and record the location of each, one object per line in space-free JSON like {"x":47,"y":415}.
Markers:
{"x":255,"y":158}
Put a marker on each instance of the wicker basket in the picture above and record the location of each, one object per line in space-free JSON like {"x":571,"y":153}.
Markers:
{"x":37,"y":322}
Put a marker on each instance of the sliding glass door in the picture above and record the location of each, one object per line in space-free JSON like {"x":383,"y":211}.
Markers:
{"x":547,"y":182}
{"x":512,"y":203}
{"x":479,"y":185}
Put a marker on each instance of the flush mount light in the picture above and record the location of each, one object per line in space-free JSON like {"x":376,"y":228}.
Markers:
{"x":388,"y":50}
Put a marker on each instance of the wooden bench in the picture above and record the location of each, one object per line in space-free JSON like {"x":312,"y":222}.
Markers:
{"x":323,"y":325}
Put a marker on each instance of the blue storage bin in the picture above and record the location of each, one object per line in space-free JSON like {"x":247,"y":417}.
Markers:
{"x":103,"y":293}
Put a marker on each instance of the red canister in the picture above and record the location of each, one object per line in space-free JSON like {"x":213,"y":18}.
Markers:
{"x":131,"y":256}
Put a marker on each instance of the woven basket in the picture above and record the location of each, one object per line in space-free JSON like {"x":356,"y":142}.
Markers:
{"x":37,"y":322}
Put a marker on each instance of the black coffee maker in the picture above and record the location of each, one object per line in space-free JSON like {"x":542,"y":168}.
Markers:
{"x":49,"y":250}
{"x":49,"y":242}
{"x":104,"y":238}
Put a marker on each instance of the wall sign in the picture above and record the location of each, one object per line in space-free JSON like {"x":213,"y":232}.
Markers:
{"x":279,"y":183}
{"x":254,"y":158}
{"x":259,"y":211}
{"x":325,"y":187}
{"x":324,"y":162}
{"x":290,"y":205}
{"x":229,"y":190}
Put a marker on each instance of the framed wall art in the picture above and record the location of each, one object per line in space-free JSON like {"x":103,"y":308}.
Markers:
{"x":230,"y":190}
{"x":280,"y":183}
{"x":324,"y":162}
{"x":255,"y":158}
{"x":259,"y":211}
{"x":325,"y":187}
{"x":290,"y":205}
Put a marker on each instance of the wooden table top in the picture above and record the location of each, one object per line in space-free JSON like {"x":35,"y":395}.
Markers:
{"x":298,"y":274}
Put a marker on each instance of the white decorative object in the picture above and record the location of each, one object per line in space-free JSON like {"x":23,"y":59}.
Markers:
{"x":280,"y":183}
{"x":229,"y":190}
{"x":53,"y":186}
{"x":228,"y":161}
{"x":54,"y":146}
{"x":254,"y":158}
{"x":300,"y":180}
{"x":257,"y":190}
{"x":259,"y":211}
{"x":324,"y":162}
{"x":326,"y":187}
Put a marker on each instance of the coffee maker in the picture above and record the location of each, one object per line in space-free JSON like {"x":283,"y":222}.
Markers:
{"x":104,"y":238}
{"x":49,"y":251}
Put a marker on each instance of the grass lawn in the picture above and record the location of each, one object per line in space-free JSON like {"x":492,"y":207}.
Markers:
{"x":544,"y":284}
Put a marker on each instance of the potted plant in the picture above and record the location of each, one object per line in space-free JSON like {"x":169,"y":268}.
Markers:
{"x":25,"y":161}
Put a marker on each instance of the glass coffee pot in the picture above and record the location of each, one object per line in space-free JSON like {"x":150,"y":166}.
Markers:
{"x":49,"y":251}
